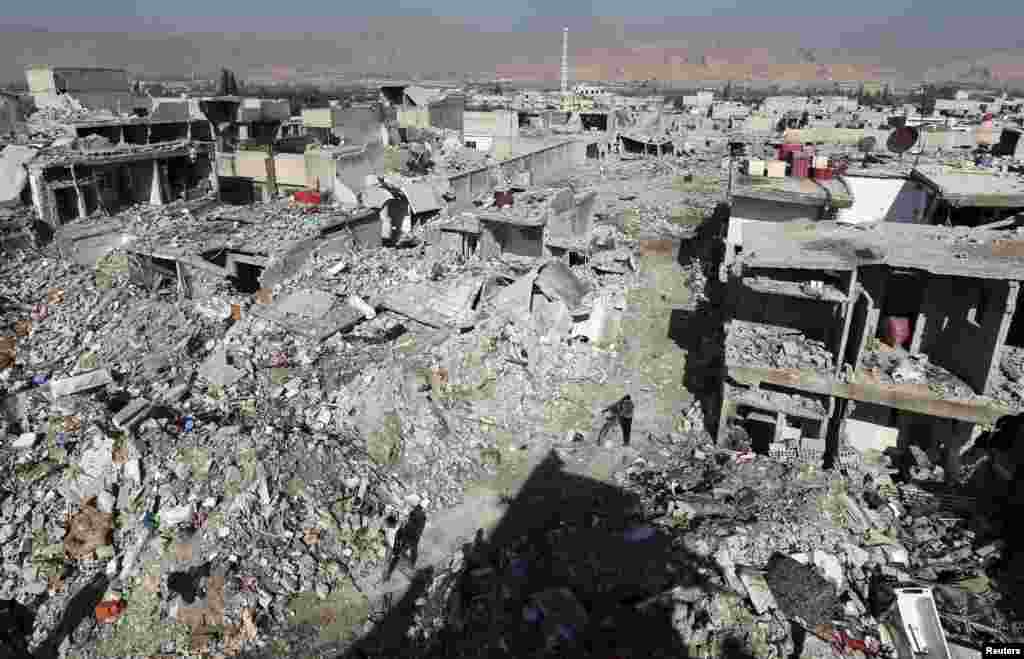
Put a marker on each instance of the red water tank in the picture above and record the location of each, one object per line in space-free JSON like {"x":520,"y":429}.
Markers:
{"x":311,"y":197}
{"x":785,"y":150}
{"x":897,"y":331}
{"x":801,"y":165}
{"x":502,"y":198}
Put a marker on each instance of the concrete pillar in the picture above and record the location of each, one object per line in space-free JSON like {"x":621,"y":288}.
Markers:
{"x":156,"y":193}
{"x":39,"y":189}
{"x":385,"y":222}
{"x":959,"y":435}
{"x":80,"y":201}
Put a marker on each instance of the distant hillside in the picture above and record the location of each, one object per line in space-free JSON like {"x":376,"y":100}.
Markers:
{"x":675,"y":49}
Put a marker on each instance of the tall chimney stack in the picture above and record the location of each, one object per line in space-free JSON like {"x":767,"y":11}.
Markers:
{"x":565,"y":61}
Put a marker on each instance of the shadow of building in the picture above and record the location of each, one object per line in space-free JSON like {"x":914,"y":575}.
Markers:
{"x":563,"y":533}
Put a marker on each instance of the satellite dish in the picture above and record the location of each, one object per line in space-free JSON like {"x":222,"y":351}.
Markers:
{"x":901,"y":139}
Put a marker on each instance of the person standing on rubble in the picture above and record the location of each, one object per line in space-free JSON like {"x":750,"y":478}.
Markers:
{"x":621,"y":412}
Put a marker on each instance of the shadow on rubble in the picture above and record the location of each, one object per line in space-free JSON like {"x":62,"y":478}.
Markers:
{"x":562,"y":531}
{"x":701,"y":330}
{"x":571,"y":570}
{"x":82,"y":606}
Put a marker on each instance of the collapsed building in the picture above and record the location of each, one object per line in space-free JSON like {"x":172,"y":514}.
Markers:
{"x":872,"y":321}
{"x":87,"y":89}
{"x":116,"y":163}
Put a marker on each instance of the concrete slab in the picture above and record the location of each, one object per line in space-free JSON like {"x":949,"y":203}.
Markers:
{"x":80,"y":383}
{"x":13,"y":175}
{"x":308,"y":303}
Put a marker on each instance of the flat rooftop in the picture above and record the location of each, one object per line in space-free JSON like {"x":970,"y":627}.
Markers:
{"x":940,"y":250}
{"x":793,"y":190}
{"x":975,"y":188}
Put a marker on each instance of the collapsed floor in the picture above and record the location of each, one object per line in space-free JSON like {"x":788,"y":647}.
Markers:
{"x":216,"y":483}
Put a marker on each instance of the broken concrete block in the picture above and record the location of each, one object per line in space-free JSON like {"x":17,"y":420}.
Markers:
{"x":311,"y":304}
{"x":359,"y":304}
{"x":133,"y":414}
{"x":757,"y":589}
{"x":176,"y":393}
{"x":156,"y":363}
{"x":216,"y":369}
{"x":77,"y":384}
{"x":830,"y":567}
{"x":25,"y":440}
{"x":177,"y":515}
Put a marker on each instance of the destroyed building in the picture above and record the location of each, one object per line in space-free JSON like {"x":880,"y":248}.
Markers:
{"x":113,"y":164}
{"x":857,"y":335}
{"x":11,"y":116}
{"x":82,"y":88}
{"x":420,"y":107}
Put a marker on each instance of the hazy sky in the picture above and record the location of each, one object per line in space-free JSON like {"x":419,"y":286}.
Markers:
{"x":451,"y":35}
{"x":59,"y":13}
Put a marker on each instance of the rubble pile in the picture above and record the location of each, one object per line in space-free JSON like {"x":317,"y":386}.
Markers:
{"x":230,"y":473}
{"x":768,"y":346}
{"x":769,"y":559}
{"x":898,"y":367}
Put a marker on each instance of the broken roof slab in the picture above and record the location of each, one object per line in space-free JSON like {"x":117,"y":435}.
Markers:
{"x":793,"y":190}
{"x":981,"y":189}
{"x":833,"y":246}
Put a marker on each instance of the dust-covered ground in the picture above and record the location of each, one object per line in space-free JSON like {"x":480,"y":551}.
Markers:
{"x":224,"y":486}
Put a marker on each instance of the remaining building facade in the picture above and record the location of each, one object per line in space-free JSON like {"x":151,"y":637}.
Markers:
{"x":494,"y":131}
{"x":11,"y":119}
{"x":884,"y":329}
{"x":89,"y":88}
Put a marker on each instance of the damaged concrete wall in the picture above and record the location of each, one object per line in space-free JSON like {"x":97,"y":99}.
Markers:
{"x":964,"y":324}
{"x":543,"y":165}
{"x":10,"y":114}
{"x":92,"y":88}
{"x":290,"y":169}
{"x":448,"y":112}
{"x":773,"y":211}
{"x":359,"y":125}
{"x":497,"y":238}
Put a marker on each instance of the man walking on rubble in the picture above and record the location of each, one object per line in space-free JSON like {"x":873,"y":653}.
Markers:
{"x":407,"y":540}
{"x":621,"y":412}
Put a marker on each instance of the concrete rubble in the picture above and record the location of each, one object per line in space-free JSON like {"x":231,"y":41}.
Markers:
{"x":237,"y":420}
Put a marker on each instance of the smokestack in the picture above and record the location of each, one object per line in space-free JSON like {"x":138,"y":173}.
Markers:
{"x":565,"y":61}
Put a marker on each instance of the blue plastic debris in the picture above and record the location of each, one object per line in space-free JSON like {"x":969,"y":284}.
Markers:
{"x":532,"y":614}
{"x":150,"y":521}
{"x":61,"y":439}
{"x":566,"y":632}
{"x":39,"y":380}
{"x":639,"y":533}
{"x":186,"y":423}
{"x":519,"y":568}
